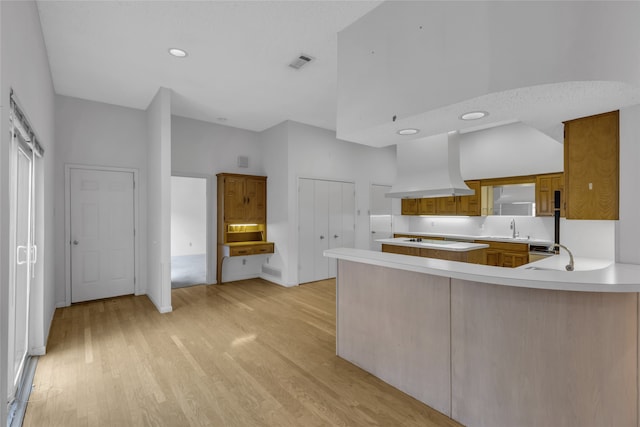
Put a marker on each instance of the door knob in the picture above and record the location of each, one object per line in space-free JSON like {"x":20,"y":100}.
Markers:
{"x":75,"y":242}
{"x":321,"y":237}
{"x":335,"y":236}
{"x":373,"y":232}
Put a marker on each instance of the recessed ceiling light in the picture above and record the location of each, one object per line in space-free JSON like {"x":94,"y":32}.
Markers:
{"x":408,"y":131}
{"x":178,"y":53}
{"x":474,"y":115}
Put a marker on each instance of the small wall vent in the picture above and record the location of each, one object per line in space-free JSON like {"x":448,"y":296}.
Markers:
{"x":301,"y":61}
{"x":243,"y":161}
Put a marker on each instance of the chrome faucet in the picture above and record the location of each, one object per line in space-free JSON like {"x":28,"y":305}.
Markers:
{"x":569,"y":266}
{"x":514,"y":233}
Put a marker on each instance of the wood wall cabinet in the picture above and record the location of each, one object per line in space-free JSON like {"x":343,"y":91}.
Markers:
{"x":469,"y":205}
{"x":591,"y":166}
{"x":427,"y":206}
{"x":506,"y":254}
{"x":546,"y":186}
{"x":245,"y":198}
{"x":409,"y":206}
{"x":451,"y":205}
{"x":242,"y":217}
{"x":446,"y":205}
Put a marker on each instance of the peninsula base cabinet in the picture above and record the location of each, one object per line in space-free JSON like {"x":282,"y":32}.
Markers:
{"x":491,"y":355}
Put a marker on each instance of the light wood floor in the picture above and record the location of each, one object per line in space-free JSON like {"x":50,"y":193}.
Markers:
{"x":246,"y":353}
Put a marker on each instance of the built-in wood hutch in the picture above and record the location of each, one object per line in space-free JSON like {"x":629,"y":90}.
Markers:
{"x":242,"y":217}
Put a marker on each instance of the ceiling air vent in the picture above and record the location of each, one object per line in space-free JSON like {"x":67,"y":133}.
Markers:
{"x":301,"y":61}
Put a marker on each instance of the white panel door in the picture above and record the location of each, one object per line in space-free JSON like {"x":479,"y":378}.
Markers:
{"x":380,"y":219}
{"x":306,"y":230}
{"x":102,"y":234}
{"x":321,"y":238}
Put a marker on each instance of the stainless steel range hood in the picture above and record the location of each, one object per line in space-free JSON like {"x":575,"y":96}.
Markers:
{"x":429,"y":167}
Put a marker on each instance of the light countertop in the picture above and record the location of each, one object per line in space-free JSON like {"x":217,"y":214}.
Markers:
{"x":602,"y":276}
{"x":446,"y":245}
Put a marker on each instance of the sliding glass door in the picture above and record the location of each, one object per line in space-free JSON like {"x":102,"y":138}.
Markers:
{"x":23,"y":258}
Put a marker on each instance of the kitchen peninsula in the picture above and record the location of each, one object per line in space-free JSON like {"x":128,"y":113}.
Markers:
{"x":491,"y":346}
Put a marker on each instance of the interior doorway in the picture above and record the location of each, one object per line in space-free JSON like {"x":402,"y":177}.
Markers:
{"x":189,"y":243}
{"x":380,"y":216}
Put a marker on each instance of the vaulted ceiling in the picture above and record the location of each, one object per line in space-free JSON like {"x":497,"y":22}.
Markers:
{"x":236,"y":72}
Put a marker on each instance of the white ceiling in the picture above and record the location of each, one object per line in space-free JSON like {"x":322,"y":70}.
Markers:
{"x":237,"y":68}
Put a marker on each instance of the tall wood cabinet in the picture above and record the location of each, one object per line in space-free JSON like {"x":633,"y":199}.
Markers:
{"x":591,"y":167}
{"x":242,"y":217}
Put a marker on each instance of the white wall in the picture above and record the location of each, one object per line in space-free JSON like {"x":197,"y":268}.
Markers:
{"x":204,"y":149}
{"x":628,"y":229}
{"x":208,"y":148}
{"x":24,"y":67}
{"x":158,"y":146}
{"x":510,"y":150}
{"x":97,"y":134}
{"x":317,"y":153}
{"x":188,"y":216}
{"x":275,"y":155}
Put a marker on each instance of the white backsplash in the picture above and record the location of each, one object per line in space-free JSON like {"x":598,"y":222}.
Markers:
{"x":593,"y":239}
{"x":535,"y":227}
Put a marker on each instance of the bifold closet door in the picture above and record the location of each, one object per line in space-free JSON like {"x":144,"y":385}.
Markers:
{"x":341,"y":219}
{"x":326,"y":220}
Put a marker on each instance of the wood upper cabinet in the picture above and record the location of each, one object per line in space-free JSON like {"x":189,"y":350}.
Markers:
{"x":469,"y":205}
{"x":446,"y":205}
{"x":546,"y":186}
{"x":409,"y":206}
{"x":427,"y":206}
{"x":245,"y":198}
{"x":256,"y":193}
{"x":452,"y":205}
{"x":591,"y":166}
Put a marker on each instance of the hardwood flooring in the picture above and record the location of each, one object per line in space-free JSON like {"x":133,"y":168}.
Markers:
{"x":247,"y":353}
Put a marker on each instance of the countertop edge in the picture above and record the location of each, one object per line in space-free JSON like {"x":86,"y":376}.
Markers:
{"x":614,"y":278}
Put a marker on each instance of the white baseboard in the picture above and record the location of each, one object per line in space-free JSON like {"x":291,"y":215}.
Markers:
{"x":38,"y":351}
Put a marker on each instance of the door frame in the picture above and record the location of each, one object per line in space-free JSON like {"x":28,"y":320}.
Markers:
{"x":137,"y":286}
{"x":211,"y":220}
